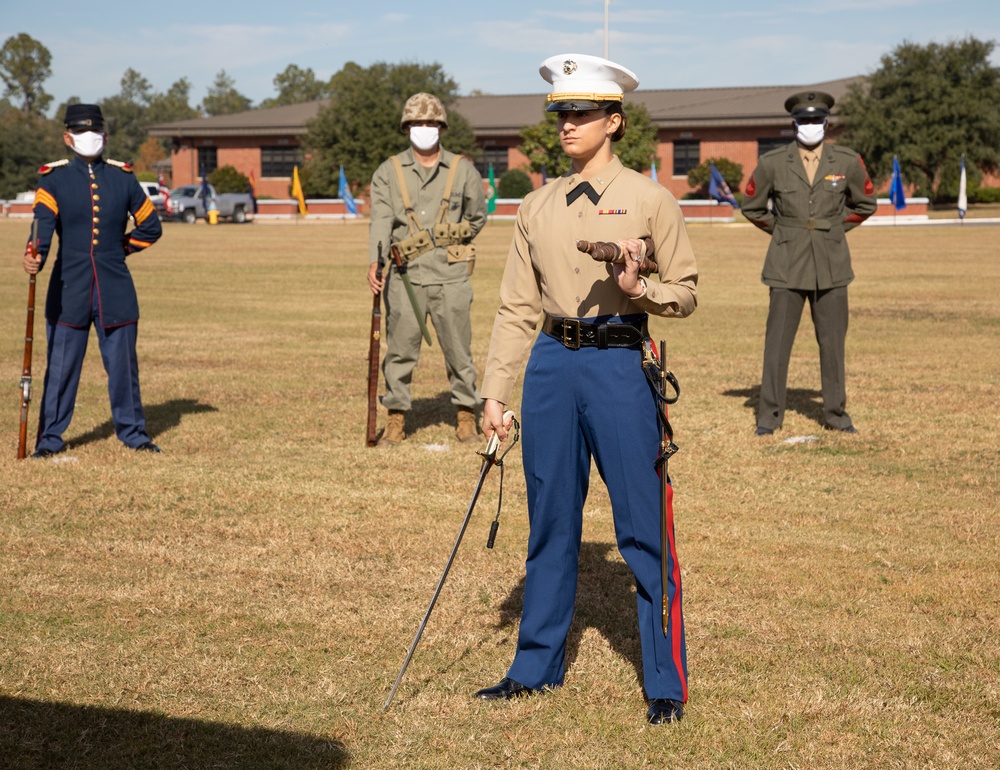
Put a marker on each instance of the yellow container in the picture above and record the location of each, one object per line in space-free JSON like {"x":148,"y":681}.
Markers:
{"x":213,"y":217}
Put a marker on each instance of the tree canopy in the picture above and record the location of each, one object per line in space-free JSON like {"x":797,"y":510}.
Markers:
{"x":26,"y":142}
{"x":636,"y":149}
{"x":359,"y":127}
{"x":929,"y":105}
{"x":223,"y":98}
{"x":295,"y":86}
{"x":24,"y":65}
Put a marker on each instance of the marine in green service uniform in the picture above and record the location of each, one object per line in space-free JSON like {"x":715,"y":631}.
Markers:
{"x":806,"y":196}
{"x":428,"y":204}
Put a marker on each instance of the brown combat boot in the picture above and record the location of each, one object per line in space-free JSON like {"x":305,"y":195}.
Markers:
{"x":467,"y":430}
{"x":393,"y":433}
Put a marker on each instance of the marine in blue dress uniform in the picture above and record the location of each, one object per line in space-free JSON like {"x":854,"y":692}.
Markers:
{"x":585,"y":395}
{"x":87,"y":202}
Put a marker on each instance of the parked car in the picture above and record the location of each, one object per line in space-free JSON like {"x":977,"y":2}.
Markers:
{"x":155,"y":194}
{"x":186,"y":203}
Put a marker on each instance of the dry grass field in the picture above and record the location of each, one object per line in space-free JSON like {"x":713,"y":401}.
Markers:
{"x":245,"y":599}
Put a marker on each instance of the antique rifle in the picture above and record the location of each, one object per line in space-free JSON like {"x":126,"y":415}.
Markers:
{"x":608,"y":251}
{"x":373,"y":346}
{"x":29,"y":332}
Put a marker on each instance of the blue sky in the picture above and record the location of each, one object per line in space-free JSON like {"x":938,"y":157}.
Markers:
{"x":493,"y":47}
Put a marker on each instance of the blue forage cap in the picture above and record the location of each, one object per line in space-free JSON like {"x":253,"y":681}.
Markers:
{"x":84,"y":117}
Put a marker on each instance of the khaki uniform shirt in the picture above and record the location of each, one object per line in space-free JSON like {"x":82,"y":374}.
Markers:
{"x":807,"y":220}
{"x":426,"y":187}
{"x":545,"y":272}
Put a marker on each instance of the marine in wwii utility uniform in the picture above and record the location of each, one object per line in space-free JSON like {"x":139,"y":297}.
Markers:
{"x":88,"y":202}
{"x":807,"y":196}
{"x":427,"y":204}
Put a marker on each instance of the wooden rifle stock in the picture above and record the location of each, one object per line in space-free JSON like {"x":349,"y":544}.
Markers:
{"x":29,"y":333}
{"x":373,"y":357}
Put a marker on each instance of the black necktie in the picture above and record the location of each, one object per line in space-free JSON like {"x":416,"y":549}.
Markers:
{"x":583,"y":188}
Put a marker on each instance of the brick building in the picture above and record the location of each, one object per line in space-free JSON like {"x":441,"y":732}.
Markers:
{"x":694,"y":124}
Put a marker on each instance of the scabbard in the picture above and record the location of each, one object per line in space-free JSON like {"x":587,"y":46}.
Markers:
{"x":415,"y":305}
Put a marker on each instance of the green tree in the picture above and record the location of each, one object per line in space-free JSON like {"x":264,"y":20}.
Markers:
{"x":732,"y":172}
{"x":359,"y":127}
{"x":27,"y":141}
{"x":928,"y":104}
{"x":126,"y":116}
{"x":223,"y":98}
{"x":514,"y":183}
{"x":24,"y":65}
{"x":226,"y":179}
{"x":296,"y":86}
{"x":174,"y":104}
{"x":541,"y":142}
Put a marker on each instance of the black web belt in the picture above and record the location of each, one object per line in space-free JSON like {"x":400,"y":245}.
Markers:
{"x":575,"y":334}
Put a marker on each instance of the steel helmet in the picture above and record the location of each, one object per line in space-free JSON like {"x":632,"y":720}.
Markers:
{"x":421,"y":107}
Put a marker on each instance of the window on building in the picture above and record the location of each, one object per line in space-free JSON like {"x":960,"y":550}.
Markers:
{"x":208,"y":160}
{"x":687,"y":155}
{"x":497,"y":156}
{"x":766,"y":145}
{"x":279,"y":161}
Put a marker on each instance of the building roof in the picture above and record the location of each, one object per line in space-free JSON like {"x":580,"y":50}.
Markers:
{"x":506,"y":115}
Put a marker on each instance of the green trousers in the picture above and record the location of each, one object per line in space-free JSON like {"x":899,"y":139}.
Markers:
{"x":447,"y":306}
{"x":829,"y":316}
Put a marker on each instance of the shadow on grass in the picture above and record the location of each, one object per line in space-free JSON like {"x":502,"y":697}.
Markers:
{"x":37,"y":734}
{"x":435,"y":410}
{"x":805,"y":401}
{"x":605,"y":601}
{"x":159,"y":419}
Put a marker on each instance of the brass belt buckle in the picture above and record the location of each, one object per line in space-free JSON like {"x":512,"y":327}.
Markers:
{"x":810,"y":224}
{"x":571,"y":326}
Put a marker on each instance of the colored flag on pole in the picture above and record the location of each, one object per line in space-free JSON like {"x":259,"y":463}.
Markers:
{"x":652,"y":171}
{"x":344,"y":193}
{"x":204,"y":193}
{"x":253,"y":191}
{"x":718,"y":189}
{"x":896,"y":192}
{"x":164,"y":190}
{"x":963,"y":198}
{"x":297,"y":192}
{"x":545,"y":179}
{"x":491,"y":198}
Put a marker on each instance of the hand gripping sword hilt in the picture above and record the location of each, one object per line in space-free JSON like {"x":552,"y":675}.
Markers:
{"x":494,"y":444}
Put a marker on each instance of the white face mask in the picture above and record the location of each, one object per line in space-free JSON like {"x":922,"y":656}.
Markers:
{"x":810,"y":133}
{"x":424,"y":137}
{"x":89,"y":144}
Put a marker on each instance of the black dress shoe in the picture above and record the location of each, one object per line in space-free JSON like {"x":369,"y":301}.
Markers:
{"x":149,"y":446}
{"x":506,"y":690}
{"x":663,"y":710}
{"x":40,"y":454}
{"x":762,"y":431}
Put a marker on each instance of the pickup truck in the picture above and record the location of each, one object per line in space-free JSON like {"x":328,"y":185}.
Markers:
{"x":186,"y":203}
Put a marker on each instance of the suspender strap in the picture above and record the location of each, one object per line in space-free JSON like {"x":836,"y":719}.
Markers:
{"x":405,"y":194}
{"x":446,"y":198}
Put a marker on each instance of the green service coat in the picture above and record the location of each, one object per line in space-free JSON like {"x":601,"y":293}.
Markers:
{"x":807,"y":222}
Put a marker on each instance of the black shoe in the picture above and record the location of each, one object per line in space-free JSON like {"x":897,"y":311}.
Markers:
{"x":41,"y":454}
{"x":149,"y":446}
{"x":762,"y":431}
{"x":663,"y":710}
{"x":848,"y":429}
{"x":506,"y":690}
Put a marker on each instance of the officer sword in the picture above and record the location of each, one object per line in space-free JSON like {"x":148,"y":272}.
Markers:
{"x":490,"y":459}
